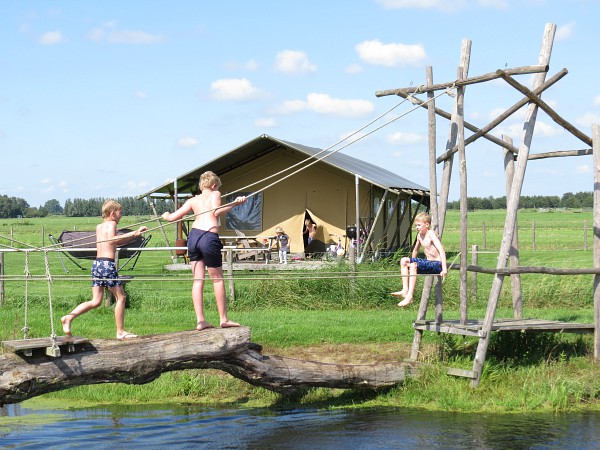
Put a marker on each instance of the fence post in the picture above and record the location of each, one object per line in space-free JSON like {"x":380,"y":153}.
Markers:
{"x":230,"y":273}
{"x":474,"y":261}
{"x":483,"y":235}
{"x":1,"y":278}
{"x":352,"y":258}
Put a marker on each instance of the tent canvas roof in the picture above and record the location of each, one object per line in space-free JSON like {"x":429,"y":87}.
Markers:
{"x":265,"y":144}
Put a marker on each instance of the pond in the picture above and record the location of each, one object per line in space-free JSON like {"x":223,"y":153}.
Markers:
{"x":183,"y":427}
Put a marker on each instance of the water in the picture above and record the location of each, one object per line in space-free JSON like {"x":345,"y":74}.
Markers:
{"x":192,"y":427}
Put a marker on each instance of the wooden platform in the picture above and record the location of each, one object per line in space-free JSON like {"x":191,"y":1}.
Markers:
{"x":474,"y":327}
{"x":26,"y":346}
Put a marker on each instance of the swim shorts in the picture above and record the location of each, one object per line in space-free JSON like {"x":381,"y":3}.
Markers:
{"x":427,"y":266}
{"x":104,"y":273}
{"x":205,"y":245}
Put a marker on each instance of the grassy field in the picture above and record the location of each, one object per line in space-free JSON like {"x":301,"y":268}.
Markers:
{"x":323,"y":315}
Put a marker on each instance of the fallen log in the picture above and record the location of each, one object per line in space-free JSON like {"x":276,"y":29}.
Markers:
{"x":141,"y":360}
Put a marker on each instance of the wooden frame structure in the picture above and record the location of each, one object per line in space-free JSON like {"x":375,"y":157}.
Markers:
{"x":516,"y":159}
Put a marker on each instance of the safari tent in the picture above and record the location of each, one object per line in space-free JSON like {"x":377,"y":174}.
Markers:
{"x":289,"y":182}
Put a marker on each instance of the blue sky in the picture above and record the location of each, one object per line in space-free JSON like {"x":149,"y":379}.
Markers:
{"x":112,"y":98}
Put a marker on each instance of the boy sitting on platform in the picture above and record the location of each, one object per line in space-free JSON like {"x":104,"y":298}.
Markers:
{"x":434,"y":264}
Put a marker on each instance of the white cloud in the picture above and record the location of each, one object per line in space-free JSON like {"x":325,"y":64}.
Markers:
{"x":265,"y":122}
{"x":588,"y":119}
{"x":108,"y":32}
{"x":238,"y":89}
{"x":400,"y":138}
{"x":583,"y":169}
{"x":187,"y":142}
{"x":391,"y":55}
{"x":564,"y":32}
{"x":515,"y":130}
{"x":294,"y":62}
{"x":325,"y":104}
{"x":493,"y":4}
{"x":251,"y":66}
{"x":442,"y":5}
{"x":354,"y":68}
{"x":52,"y":38}
{"x":136,"y":185}
{"x":140,"y":95}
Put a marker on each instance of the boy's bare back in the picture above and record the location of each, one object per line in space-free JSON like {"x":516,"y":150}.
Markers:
{"x":203,"y":205}
{"x":105,"y":247}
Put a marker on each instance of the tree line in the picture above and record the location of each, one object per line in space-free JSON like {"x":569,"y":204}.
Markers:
{"x":14,"y":207}
{"x":568,"y":200}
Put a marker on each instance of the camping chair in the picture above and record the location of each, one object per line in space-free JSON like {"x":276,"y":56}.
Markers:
{"x":254,"y":249}
{"x":87,"y":239}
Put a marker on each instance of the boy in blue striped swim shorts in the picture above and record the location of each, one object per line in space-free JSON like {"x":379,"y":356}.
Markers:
{"x":434,"y":264}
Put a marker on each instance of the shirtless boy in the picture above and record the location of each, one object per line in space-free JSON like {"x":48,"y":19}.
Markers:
{"x":204,"y":246}
{"x":104,"y":270}
{"x":434,"y":264}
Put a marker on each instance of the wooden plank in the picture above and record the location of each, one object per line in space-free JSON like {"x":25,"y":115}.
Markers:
{"x":30,"y":344}
{"x":461,"y":372}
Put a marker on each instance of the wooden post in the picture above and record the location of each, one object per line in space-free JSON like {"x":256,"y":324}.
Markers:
{"x":352,"y":276}
{"x":465,"y":56}
{"x":230,"y":281}
{"x":512,"y":208}
{"x":462,"y":162}
{"x":483,"y":236}
{"x":515,"y":279}
{"x":428,"y":281}
{"x":1,"y":278}
{"x":474,"y":262}
{"x":596,"y":171}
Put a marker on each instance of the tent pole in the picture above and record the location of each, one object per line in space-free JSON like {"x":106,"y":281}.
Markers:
{"x":357,"y":184}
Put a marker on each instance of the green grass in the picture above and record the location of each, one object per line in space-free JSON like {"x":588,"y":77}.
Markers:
{"x":296,"y":310}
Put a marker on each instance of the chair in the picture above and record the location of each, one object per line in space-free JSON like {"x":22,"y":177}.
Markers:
{"x":254,"y":249}
{"x":87,"y":239}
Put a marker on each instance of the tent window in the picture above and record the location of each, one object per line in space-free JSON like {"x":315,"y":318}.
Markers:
{"x":247,"y":216}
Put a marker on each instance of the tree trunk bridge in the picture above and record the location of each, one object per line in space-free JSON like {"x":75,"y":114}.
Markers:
{"x":142,"y":360}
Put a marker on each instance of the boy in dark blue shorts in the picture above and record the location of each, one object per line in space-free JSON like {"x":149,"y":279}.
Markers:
{"x":435,"y":264}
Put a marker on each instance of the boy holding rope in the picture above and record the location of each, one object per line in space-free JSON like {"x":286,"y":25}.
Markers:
{"x":434,"y":264}
{"x":104,"y":270}
{"x":204,"y":246}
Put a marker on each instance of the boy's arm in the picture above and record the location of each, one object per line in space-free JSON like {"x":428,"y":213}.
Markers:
{"x":120,"y":239}
{"x":216,"y":203}
{"x":415,"y":252}
{"x":181,"y":212}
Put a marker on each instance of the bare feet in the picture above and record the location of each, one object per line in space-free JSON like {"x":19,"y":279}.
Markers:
{"x":229,"y":324}
{"x":66,"y":323}
{"x":126,"y":335}
{"x":399,"y":294}
{"x":203,"y":325}
{"x":407,"y":301}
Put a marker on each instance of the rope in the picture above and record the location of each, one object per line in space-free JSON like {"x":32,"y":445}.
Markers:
{"x":49,"y":278}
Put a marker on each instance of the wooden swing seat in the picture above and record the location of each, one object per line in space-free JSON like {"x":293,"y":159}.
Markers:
{"x":26,"y":346}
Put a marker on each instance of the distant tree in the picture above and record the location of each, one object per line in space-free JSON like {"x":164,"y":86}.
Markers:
{"x":12,"y":207}
{"x":53,"y":207}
